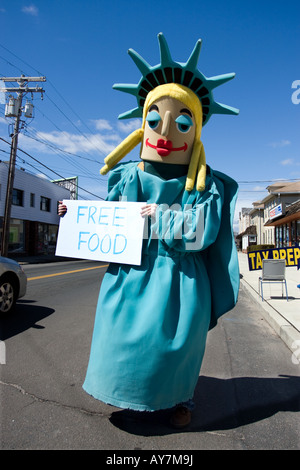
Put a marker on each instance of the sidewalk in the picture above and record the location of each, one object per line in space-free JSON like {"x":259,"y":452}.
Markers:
{"x":282,"y":315}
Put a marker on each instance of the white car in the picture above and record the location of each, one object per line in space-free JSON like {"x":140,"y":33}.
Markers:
{"x":13,"y":284}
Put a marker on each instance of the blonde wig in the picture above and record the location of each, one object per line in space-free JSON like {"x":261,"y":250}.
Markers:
{"x":197,"y":166}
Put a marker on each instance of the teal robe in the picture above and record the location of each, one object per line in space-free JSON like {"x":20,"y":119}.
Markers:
{"x":152,"y":320}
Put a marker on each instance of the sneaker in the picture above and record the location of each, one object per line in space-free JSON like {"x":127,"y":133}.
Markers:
{"x":181,"y":417}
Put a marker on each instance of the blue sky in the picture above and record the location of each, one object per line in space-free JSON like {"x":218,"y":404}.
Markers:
{"x":81,"y":47}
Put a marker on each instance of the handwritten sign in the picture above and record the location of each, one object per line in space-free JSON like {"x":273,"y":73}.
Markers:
{"x":102,"y":230}
{"x":291,"y":256}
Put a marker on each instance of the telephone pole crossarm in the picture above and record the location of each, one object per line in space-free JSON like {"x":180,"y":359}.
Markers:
{"x":23,"y":79}
{"x":22,"y":90}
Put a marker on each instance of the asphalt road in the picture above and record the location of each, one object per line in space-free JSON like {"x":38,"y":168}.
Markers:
{"x":247,"y":396}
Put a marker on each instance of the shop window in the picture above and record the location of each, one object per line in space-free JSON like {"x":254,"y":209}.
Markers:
{"x":284,"y":235}
{"x":298,"y":232}
{"x":16,"y":236}
{"x":17,"y":197}
{"x":47,"y":237}
{"x":45,"y":204}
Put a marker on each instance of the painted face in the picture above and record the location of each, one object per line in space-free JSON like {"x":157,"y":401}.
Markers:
{"x":169,"y":132}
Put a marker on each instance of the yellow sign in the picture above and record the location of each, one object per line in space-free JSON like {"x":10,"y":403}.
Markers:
{"x":291,"y":256}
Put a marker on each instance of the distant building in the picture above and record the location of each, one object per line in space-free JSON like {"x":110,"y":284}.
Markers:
{"x":34,"y":219}
{"x":276,"y":217}
{"x":275,"y":220}
{"x":247,"y":238}
{"x":244,"y":218}
{"x":280,"y":218}
{"x":247,"y":234}
{"x":257,"y":219}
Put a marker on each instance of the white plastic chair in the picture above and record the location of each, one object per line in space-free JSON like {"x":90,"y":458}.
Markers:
{"x":273,"y":271}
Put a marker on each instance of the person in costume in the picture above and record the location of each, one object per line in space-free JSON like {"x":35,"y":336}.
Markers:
{"x":152,"y":320}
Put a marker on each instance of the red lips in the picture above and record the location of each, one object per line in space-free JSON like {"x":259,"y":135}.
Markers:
{"x":165,"y":147}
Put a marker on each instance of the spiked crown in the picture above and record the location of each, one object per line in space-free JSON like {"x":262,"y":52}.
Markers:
{"x":169,"y":71}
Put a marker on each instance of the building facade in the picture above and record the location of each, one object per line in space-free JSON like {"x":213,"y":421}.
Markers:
{"x":284,"y":228}
{"x":286,"y":224}
{"x":276,"y":217}
{"x":244,"y":219}
{"x":257,"y":219}
{"x":34,"y":219}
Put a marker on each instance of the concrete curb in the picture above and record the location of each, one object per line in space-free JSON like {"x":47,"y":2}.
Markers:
{"x":285,"y":330}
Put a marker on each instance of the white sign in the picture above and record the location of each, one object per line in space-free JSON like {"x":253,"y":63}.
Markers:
{"x":276,"y":211}
{"x":102,"y":230}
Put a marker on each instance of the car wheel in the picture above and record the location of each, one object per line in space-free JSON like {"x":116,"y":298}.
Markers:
{"x":7,"y":296}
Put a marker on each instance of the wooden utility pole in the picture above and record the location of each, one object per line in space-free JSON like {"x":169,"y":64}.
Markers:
{"x":21,"y":90}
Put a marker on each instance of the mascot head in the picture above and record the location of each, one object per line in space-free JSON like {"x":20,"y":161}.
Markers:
{"x":175,"y":101}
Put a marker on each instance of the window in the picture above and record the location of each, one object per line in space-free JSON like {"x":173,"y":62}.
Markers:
{"x":45,"y":204}
{"x":32,"y":200}
{"x":16,"y":236}
{"x":17,"y":197}
{"x":47,"y":236}
{"x":298,"y":232}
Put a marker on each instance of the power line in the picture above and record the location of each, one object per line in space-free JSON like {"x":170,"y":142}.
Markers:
{"x":49,"y":144}
{"x":66,"y":156}
{"x":57,"y":174}
{"x":60,"y":95}
{"x":267,"y":181}
{"x":84,"y":135}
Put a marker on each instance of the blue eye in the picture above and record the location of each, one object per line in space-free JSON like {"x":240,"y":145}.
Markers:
{"x":153,"y":119}
{"x":184,"y":123}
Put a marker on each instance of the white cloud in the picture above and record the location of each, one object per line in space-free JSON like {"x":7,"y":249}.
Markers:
{"x":73,"y":143}
{"x":287,"y":161}
{"x":41,"y":175}
{"x":30,"y":10}
{"x":101,"y":124}
{"x":129,"y":126}
{"x":281,"y":143}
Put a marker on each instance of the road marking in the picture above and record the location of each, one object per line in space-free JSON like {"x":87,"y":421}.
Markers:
{"x":66,"y":272}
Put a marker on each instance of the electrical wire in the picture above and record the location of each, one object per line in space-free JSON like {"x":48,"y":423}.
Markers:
{"x":57,"y":149}
{"x":62,"y":153}
{"x":45,"y":166}
{"x":59,"y":94}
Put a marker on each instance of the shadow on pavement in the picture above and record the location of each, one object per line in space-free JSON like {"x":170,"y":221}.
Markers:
{"x":25,"y":315}
{"x":220,"y":404}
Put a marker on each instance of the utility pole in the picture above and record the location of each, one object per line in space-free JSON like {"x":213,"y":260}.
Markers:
{"x":16,"y":112}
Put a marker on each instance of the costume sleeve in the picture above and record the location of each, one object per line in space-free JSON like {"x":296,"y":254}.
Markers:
{"x":221,"y":257}
{"x":195,"y":226}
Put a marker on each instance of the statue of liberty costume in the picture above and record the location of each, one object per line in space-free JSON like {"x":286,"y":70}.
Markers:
{"x":152,"y":320}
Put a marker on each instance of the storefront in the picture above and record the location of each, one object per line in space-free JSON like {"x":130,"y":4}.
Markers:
{"x":287,"y":226}
{"x":47,"y":237}
{"x":34,"y":219}
{"x":30,"y":237}
{"x":16,"y":242}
